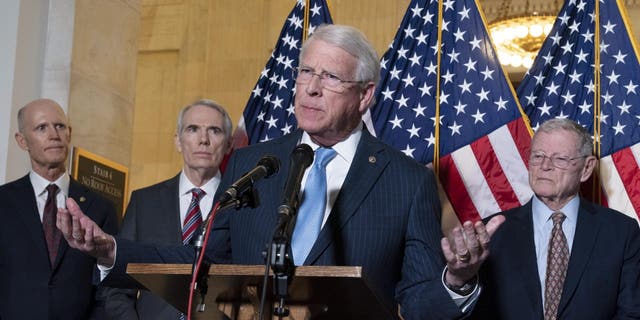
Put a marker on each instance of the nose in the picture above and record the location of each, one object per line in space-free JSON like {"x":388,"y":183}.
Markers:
{"x":54,"y":133}
{"x":204,"y":138}
{"x":546,"y":163}
{"x":314,"y":86}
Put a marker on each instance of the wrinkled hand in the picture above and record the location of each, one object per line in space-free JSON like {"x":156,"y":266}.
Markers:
{"x":84,"y":235}
{"x":466,"y":248}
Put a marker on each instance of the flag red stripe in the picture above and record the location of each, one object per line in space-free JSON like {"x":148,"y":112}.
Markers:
{"x":493,"y":173}
{"x":456,"y":191}
{"x":522,"y":138}
{"x":629,"y":172}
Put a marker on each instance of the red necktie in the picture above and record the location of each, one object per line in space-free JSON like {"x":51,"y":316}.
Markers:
{"x":51,"y":232}
{"x":557,"y":263}
{"x":194,"y":218}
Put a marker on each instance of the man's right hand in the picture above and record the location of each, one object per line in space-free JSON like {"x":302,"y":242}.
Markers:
{"x":83,"y":234}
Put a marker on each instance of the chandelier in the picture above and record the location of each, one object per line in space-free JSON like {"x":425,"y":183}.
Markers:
{"x":518,"y":37}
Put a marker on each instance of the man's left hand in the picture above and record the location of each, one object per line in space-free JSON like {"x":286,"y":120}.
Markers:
{"x":466,"y":248}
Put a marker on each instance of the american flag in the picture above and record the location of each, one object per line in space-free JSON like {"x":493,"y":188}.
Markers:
{"x":563,"y":83}
{"x":480,"y":145}
{"x":269,"y":111}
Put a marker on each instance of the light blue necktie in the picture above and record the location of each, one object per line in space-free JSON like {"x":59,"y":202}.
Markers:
{"x":311,"y":212}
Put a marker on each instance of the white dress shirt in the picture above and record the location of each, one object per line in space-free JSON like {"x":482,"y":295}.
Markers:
{"x":206,"y":202}
{"x":40,"y":184}
{"x":337,"y":168}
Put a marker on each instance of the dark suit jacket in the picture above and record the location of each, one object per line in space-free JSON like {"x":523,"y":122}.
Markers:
{"x":152,"y":216}
{"x":29,"y":287}
{"x":603,"y":277}
{"x":385,"y":219}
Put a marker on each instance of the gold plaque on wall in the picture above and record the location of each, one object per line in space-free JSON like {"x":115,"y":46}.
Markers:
{"x":103,"y":176}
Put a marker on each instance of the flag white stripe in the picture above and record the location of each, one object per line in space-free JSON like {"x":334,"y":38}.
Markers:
{"x":481,"y":195}
{"x":617,"y":197}
{"x":511,"y":163}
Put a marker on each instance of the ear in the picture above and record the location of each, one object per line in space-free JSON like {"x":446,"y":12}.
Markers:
{"x":176,"y":140}
{"x":22,"y":141}
{"x":366,"y":96}
{"x":589,"y":165}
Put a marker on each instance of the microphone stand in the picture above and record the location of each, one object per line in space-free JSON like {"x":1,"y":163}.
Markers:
{"x":280,"y":260}
{"x":200,"y":269}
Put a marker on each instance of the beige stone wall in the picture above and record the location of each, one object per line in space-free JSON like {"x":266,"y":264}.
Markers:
{"x":102,"y":89}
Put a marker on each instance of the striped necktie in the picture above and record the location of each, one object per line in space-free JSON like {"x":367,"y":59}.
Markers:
{"x":194,"y":217}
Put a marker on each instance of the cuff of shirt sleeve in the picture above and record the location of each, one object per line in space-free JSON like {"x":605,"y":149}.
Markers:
{"x":105,"y":270}
{"x":463,"y":302}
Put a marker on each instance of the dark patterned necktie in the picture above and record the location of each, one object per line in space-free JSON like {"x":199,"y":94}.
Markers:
{"x":557,"y":263}
{"x":51,"y":233}
{"x":194,"y":217}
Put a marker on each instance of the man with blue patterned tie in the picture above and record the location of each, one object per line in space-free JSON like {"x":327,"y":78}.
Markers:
{"x":170,"y":212}
{"x":381,"y":209}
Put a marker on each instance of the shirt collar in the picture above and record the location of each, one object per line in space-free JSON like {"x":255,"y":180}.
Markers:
{"x":40,"y":184}
{"x":542,"y":213}
{"x":345,"y":149}
{"x":210,"y":187}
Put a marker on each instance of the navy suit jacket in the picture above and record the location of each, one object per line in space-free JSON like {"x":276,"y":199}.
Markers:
{"x":29,"y":287}
{"x":603,"y":277}
{"x":152,"y":216}
{"x":386,"y":219}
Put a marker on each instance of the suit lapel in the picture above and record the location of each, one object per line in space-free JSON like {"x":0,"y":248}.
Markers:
{"x":520,"y":244}
{"x":585,"y":238}
{"x":28,"y":212}
{"x":169,"y":203}
{"x":368,"y":164}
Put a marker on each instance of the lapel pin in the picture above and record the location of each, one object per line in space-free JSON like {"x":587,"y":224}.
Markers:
{"x":372,"y":159}
{"x":83,"y":199}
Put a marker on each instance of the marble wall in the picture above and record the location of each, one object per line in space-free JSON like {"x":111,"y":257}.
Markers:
{"x":83,"y":55}
{"x":103,"y":68}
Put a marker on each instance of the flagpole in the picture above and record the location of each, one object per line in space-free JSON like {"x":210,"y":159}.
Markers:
{"x":436,"y":120}
{"x":596,"y":102}
{"x":306,"y":20}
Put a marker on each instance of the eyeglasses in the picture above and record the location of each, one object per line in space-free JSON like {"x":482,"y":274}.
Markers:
{"x":560,"y":162}
{"x":328,"y":80}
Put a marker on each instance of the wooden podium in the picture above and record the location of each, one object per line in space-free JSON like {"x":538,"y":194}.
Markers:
{"x":316,"y":292}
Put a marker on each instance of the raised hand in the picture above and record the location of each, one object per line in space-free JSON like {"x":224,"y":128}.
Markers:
{"x":83,"y":234}
{"x":466,"y":248}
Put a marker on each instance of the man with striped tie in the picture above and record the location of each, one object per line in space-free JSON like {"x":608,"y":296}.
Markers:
{"x":170,"y":212}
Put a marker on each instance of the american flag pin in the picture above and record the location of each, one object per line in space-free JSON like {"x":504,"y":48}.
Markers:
{"x":372,"y":159}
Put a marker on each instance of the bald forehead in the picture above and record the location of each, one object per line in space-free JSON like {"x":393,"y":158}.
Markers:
{"x":38,"y":105}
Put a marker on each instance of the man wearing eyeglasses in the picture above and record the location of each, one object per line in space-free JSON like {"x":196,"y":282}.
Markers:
{"x":561,"y":256}
{"x":362,"y":202}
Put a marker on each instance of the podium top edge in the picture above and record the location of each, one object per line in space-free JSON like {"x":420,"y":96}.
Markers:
{"x":246,"y":270}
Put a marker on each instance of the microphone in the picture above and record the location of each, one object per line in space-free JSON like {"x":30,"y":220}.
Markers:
{"x":266,"y":167}
{"x":301,"y":158}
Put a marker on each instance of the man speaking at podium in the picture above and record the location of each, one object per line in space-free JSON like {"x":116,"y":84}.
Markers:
{"x":362,"y":202}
